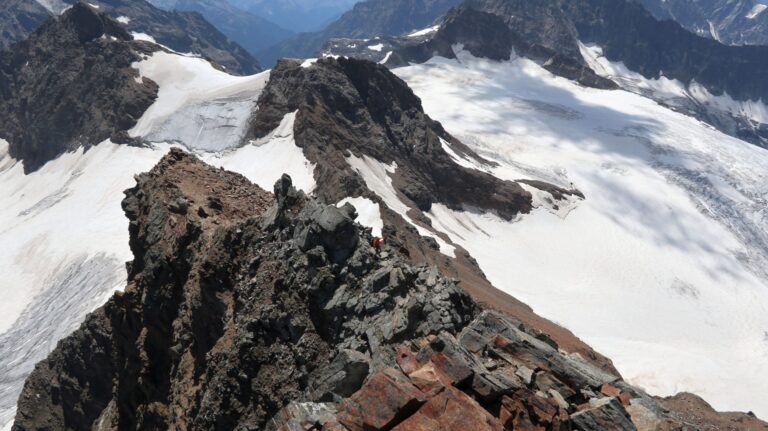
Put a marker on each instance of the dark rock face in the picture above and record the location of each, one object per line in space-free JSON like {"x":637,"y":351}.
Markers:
{"x":740,"y":22}
{"x":536,"y":31}
{"x":366,"y":20}
{"x":182,"y":32}
{"x":70,"y":84}
{"x":354,"y":107}
{"x":630,"y":34}
{"x":19,"y":18}
{"x":234,"y":319}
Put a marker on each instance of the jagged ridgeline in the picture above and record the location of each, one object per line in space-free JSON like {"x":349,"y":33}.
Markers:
{"x":247,"y":310}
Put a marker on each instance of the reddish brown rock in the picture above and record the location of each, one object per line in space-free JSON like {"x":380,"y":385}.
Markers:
{"x":385,"y":399}
{"x":514,"y":415}
{"x":453,"y":367}
{"x":450,"y":410}
{"x":625,"y":398}
{"x":610,"y":391}
{"x":430,"y":379}
{"x":406,"y":360}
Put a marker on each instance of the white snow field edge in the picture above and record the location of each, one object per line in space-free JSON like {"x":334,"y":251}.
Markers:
{"x":662,"y":267}
{"x":672,"y":91}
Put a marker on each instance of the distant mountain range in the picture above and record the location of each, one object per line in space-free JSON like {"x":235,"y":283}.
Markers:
{"x":732,"y":22}
{"x":298,"y":15}
{"x":186,"y":32}
{"x":252,"y":32}
{"x":366,"y":20}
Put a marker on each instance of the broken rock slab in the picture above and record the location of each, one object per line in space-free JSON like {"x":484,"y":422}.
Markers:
{"x":603,"y":414}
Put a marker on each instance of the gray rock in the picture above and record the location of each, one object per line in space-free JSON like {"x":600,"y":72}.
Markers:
{"x":298,"y":416}
{"x":604,"y":414}
{"x":343,"y":377}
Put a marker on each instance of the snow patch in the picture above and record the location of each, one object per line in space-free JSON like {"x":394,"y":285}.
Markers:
{"x":377,"y":178}
{"x":378,"y":47}
{"x":308,"y":62}
{"x":197,"y":105}
{"x":756,"y":11}
{"x":368,"y":213}
{"x":143,"y":36}
{"x":264,"y":161}
{"x":125,"y":20}
{"x":662,"y":267}
{"x":424,"y":32}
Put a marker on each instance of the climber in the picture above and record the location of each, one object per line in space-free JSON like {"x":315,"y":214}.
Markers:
{"x":376,"y":243}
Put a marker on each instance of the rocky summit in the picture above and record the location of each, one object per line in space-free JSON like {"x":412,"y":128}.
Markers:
{"x":71,"y":84}
{"x":247,"y":310}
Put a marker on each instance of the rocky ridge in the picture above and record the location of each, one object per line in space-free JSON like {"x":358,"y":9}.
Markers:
{"x":71,"y":84}
{"x":181,"y":31}
{"x":247,"y":311}
{"x":367,"y":19}
{"x":741,"y":22}
{"x":348,"y":107}
{"x":352,"y":109}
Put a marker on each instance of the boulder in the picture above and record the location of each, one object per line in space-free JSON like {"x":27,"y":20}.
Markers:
{"x":603,"y":414}
{"x":302,"y":416}
{"x":385,"y":399}
{"x":450,"y":410}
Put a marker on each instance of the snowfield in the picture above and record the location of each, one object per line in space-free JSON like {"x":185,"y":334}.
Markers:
{"x":662,"y":267}
{"x":197,"y":105}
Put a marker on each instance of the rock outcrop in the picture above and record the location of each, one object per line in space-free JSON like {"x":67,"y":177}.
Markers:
{"x":182,"y":31}
{"x":250,"y":311}
{"x":349,"y":107}
{"x":71,"y":84}
{"x":740,"y":22}
{"x":367,"y":19}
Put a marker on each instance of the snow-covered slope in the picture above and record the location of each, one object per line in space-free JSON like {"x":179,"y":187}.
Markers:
{"x":64,"y":240}
{"x":662,"y":267}
{"x":64,"y":234}
{"x":197,"y":105}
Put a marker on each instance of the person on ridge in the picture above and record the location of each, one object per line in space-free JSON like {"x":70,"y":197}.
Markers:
{"x":376,"y":243}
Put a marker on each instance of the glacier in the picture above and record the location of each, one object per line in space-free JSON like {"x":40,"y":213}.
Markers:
{"x":662,"y":267}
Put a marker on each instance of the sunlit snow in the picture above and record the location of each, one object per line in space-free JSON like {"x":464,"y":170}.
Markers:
{"x":368,"y":213}
{"x":197,"y":105}
{"x":662,"y":267}
{"x":264,"y":161}
{"x":377,"y":178}
{"x":143,"y":36}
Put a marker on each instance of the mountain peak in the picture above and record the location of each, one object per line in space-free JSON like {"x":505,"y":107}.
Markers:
{"x":88,"y":23}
